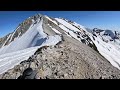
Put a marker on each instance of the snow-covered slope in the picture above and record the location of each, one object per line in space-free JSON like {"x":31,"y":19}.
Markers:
{"x":108,"y":46}
{"x":73,"y":29}
{"x":23,"y":47}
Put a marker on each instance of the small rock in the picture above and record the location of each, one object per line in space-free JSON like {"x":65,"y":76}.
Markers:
{"x":33,"y":65}
{"x":28,"y":71}
{"x":60,"y":73}
{"x":48,"y":72}
{"x":53,"y":68}
{"x":12,"y":76}
{"x":17,"y":74}
{"x":58,"y":67}
{"x":38,"y":57}
{"x":21,"y":68}
{"x":44,"y":66}
{"x":16,"y":68}
{"x":26,"y":65}
{"x":39,"y":74}
{"x":66,"y":61}
{"x":65,"y":75}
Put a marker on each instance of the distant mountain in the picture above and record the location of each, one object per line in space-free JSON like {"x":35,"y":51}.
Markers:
{"x":89,"y":30}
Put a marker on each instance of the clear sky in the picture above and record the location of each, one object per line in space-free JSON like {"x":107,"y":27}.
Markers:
{"x":9,"y":20}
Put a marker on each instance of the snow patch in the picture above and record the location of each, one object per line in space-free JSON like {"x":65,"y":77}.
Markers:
{"x":51,"y":20}
{"x":68,"y":25}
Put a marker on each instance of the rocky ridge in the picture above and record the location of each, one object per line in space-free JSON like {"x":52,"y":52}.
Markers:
{"x":68,"y":59}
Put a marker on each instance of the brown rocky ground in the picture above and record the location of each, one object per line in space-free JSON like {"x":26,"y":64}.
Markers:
{"x":69,"y":59}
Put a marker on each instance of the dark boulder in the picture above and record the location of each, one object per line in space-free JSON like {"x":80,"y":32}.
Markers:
{"x":28,"y":74}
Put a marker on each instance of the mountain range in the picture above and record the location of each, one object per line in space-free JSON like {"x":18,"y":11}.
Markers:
{"x":58,"y":48}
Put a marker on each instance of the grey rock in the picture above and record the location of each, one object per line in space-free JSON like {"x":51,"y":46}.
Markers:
{"x":28,"y":74}
{"x":48,"y":72}
{"x":33,"y":65}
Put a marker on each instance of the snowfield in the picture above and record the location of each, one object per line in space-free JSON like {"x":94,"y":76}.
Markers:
{"x":56,"y":31}
{"x":9,"y":60}
{"x":109,"y":50}
{"x":68,"y":25}
{"x":25,"y":46}
{"x":68,"y":28}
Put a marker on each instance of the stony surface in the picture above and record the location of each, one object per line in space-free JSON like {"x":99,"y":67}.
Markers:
{"x":69,"y":59}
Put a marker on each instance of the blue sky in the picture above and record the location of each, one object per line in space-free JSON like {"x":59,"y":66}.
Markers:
{"x":9,"y":20}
